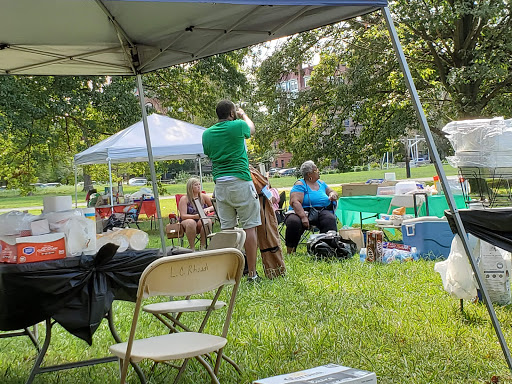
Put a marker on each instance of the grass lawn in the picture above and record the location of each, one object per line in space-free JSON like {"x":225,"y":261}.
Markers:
{"x":395,"y":320}
{"x":12,"y":199}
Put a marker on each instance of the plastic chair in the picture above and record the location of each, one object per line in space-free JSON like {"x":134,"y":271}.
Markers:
{"x":207,"y":271}
{"x":415,"y":200}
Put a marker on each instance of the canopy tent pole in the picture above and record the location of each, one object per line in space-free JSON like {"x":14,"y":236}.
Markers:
{"x":151,"y":162}
{"x":200,"y":171}
{"x":76,"y":182}
{"x":110,"y":179}
{"x":444,"y":181}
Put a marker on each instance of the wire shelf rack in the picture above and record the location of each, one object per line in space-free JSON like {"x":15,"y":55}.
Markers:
{"x":490,"y":187}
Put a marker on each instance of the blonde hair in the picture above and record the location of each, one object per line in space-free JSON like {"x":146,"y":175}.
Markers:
{"x":190,"y":191}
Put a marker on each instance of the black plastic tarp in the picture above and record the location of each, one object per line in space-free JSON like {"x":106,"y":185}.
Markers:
{"x":493,"y":225}
{"x":77,"y":292}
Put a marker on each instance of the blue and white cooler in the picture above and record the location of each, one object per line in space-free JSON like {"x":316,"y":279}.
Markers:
{"x":431,"y":235}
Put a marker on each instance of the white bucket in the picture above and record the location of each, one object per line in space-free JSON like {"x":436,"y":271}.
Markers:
{"x":390,"y":176}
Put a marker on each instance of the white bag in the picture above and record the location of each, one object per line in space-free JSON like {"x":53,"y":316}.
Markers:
{"x":456,"y":272}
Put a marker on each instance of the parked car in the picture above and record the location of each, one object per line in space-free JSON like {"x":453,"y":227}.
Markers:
{"x":288,"y":172}
{"x":273,"y":171}
{"x":138,"y":181}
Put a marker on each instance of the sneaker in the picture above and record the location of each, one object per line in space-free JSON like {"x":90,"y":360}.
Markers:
{"x":254,"y":279}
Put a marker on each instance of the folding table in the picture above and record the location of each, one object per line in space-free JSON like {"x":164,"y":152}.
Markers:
{"x":76,"y":292}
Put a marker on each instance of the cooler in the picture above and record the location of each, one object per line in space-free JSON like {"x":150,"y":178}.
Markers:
{"x":431,"y":235}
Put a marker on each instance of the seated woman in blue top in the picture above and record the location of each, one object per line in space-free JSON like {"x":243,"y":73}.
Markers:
{"x":309,"y":192}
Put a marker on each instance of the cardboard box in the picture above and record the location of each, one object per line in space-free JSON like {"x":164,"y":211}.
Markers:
{"x":40,"y":248}
{"x":8,"y":249}
{"x":361,"y":189}
{"x":354,"y":234}
{"x":325,"y":374}
{"x":495,"y":268}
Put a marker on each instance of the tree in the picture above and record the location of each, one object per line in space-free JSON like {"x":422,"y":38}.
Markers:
{"x":459,"y":55}
{"x":44,"y":121}
{"x":190,"y":91}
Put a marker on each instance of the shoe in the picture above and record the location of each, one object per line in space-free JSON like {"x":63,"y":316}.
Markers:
{"x":254,"y":279}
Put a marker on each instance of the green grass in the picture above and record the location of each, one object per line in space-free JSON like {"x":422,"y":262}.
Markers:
{"x":395,"y":320}
{"x":12,"y":199}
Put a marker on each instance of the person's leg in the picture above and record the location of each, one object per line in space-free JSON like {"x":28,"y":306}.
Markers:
{"x":189,"y":226}
{"x":251,"y":248}
{"x":245,"y":200}
{"x":326,"y":221}
{"x":294,"y":231}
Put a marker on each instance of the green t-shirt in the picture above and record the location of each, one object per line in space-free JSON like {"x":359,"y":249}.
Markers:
{"x":224,"y":144}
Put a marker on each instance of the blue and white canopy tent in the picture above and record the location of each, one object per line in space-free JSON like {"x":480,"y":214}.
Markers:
{"x":132,"y":37}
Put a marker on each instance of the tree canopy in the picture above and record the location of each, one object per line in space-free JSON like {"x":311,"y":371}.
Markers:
{"x":459,"y":55}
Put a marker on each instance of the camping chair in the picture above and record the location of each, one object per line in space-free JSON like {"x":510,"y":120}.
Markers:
{"x":281,"y":213}
{"x":205,"y":220}
{"x":131,"y":215}
{"x":207,"y":271}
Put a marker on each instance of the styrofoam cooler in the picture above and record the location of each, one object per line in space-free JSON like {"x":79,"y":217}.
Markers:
{"x":431,"y":235}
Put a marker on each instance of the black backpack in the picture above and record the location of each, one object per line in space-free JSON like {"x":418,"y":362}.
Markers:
{"x":331,"y":245}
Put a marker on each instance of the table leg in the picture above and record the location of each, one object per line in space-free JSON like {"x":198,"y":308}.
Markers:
{"x":32,"y":334}
{"x":37,"y":369}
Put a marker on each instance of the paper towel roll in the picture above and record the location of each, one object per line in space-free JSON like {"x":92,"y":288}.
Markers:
{"x":57,"y":203}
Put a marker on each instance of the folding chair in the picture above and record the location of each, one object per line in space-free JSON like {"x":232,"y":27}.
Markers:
{"x":183,"y":275}
{"x":174,"y":309}
{"x":281,"y":213}
{"x":131,"y":217}
{"x":206,"y":221}
{"x":415,"y":200}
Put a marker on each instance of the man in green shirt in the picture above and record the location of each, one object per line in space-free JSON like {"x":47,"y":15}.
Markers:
{"x":224,"y":144}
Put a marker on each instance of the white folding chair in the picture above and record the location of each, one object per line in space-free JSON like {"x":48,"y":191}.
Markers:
{"x":170,"y":312}
{"x":184,"y":275}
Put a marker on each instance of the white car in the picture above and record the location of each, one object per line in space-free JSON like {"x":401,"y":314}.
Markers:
{"x":138,"y":181}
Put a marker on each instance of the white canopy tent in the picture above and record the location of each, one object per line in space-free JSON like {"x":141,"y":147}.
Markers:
{"x":120,"y":37}
{"x":172,"y":140}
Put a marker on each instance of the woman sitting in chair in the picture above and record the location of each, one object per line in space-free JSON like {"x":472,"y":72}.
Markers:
{"x":189,"y":216}
{"x":308,"y":195}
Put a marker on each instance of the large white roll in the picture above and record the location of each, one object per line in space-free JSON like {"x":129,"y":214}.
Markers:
{"x":57,"y":203}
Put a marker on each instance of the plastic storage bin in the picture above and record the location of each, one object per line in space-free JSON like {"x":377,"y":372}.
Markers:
{"x":385,"y":190}
{"x":431,"y":235}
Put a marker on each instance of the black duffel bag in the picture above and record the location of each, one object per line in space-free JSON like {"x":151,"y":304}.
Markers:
{"x":331,"y":245}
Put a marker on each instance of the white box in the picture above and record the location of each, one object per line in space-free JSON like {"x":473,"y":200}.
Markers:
{"x":495,"y":268}
{"x":39,"y":227}
{"x":325,"y":374}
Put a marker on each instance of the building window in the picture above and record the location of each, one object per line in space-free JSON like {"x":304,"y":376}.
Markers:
{"x":306,"y":81}
{"x":277,"y":164}
{"x":282,"y":163}
{"x":294,"y":86}
{"x":283,"y":85}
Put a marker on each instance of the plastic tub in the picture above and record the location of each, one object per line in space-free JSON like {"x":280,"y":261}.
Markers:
{"x":403,"y":187}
